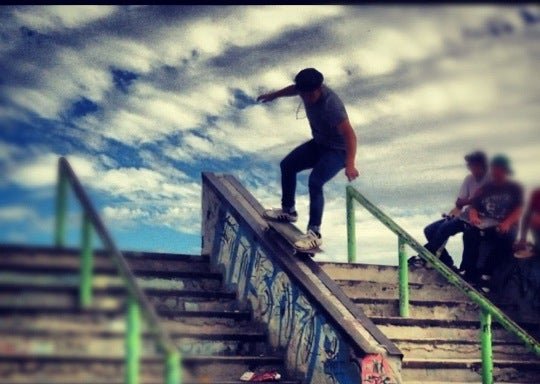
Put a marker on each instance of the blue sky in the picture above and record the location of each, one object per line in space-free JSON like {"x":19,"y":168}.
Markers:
{"x":141,"y":99}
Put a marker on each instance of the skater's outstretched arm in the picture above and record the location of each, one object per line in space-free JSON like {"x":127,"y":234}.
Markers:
{"x":285,"y":92}
{"x":347,"y":131}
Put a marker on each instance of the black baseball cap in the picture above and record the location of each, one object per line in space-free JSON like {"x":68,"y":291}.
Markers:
{"x":308,"y":80}
{"x":477,"y":157}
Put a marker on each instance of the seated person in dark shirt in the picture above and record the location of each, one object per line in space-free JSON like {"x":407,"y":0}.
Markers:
{"x":500,"y":200}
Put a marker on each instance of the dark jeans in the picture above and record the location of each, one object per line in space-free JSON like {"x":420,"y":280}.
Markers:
{"x":439,"y":232}
{"x":495,"y":249}
{"x":326,"y":163}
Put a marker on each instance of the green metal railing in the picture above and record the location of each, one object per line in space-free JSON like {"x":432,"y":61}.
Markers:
{"x":138,"y":305}
{"x":488,"y":310}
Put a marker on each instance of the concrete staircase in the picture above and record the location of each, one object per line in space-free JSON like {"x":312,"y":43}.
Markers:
{"x":440,"y":341}
{"x":45,"y":338}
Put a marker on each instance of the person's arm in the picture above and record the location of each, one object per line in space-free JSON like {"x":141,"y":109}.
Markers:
{"x":460,"y":203}
{"x":349,"y":136}
{"x":285,"y":92}
{"x":509,"y":222}
{"x":463,"y":198}
{"x":474,"y":218}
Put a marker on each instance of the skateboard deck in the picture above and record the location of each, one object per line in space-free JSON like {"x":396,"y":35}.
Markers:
{"x":485,"y":223}
{"x":291,"y":234}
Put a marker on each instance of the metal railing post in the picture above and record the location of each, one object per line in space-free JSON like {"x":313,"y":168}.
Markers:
{"x":133,"y":341}
{"x":403,"y":279}
{"x":351,"y":226}
{"x":486,"y":345}
{"x":172,"y":368}
{"x":61,"y":207}
{"x":85,"y":289}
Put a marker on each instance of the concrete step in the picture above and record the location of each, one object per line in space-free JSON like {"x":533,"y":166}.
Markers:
{"x":445,"y":325}
{"x":114,"y":323}
{"x":381,"y":273}
{"x":112,"y":299}
{"x":442,"y":349}
{"x":390,"y":290}
{"x":450,"y":310}
{"x":444,"y":331}
{"x":46,"y":259}
{"x":455,"y":382}
{"x":166,"y":313}
{"x":61,"y":380}
{"x":70,"y":280}
{"x":200,"y":369}
{"x":112,"y":344}
{"x":144,"y":381}
{"x":469,"y":370}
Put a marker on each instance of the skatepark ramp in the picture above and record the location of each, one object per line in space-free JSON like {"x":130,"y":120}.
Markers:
{"x":247,"y":303}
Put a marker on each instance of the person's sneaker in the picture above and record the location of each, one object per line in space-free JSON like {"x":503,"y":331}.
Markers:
{"x":416,"y":261}
{"x":308,"y":242}
{"x":484,"y":283}
{"x":484,"y":289}
{"x":279,"y":214}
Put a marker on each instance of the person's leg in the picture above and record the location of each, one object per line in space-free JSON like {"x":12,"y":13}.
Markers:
{"x":471,"y":243}
{"x":487,"y":252}
{"x":432,"y":229}
{"x":329,"y":164}
{"x":445,"y":230}
{"x":301,"y":158}
{"x":501,"y":269}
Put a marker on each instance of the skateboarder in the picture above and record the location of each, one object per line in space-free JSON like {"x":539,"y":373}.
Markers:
{"x":332,"y":148}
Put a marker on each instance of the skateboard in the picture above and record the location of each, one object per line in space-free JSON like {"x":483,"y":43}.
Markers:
{"x":291,"y":234}
{"x":486,"y":222}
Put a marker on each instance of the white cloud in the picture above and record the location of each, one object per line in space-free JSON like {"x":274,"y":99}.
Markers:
{"x":15,"y":213}
{"x":53,"y":17}
{"x":41,"y":171}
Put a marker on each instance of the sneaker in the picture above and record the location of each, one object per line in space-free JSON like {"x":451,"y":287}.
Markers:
{"x":308,"y":242}
{"x":279,"y":214}
{"x":416,"y":261}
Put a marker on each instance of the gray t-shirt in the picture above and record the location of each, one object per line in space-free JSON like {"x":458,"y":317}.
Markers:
{"x":324,"y":116}
{"x":471,"y":185}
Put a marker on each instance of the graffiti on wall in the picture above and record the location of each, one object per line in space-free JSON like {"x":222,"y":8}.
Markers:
{"x":313,"y":347}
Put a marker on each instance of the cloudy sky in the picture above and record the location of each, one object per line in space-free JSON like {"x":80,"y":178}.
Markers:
{"x":142,"y":99}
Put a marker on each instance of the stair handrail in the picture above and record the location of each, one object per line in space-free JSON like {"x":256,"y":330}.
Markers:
{"x":488,"y":310}
{"x":137,"y":302}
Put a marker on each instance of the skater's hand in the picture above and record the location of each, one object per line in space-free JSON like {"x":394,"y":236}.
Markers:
{"x":504,"y":227}
{"x":351,"y":172}
{"x":265,"y":98}
{"x":474,"y":219}
{"x":455,"y":212}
